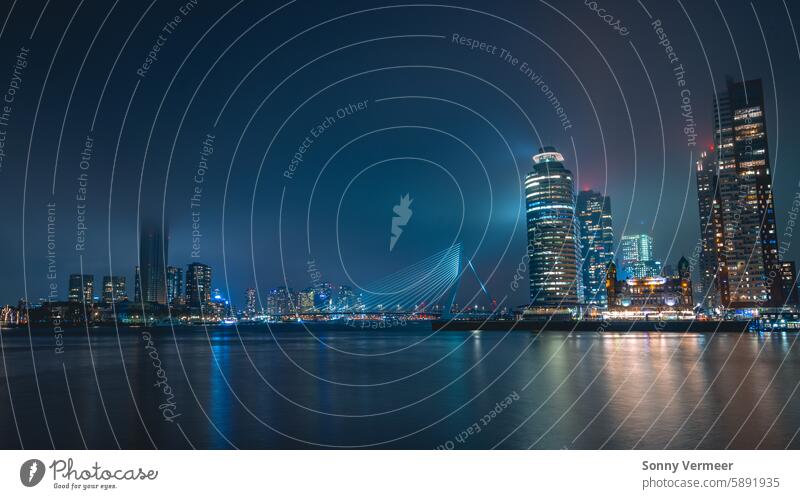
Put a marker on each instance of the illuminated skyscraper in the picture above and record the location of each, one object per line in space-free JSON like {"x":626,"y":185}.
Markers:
{"x":81,"y":288}
{"x":713,"y":278}
{"x":552,"y":233}
{"x":114,"y":290}
{"x":748,"y":258}
{"x":152,"y":251}
{"x":198,"y":285}
{"x":597,"y":244}
{"x":175,"y":286}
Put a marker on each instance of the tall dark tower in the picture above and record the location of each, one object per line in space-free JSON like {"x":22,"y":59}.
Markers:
{"x":749,"y":251}
{"x":597,"y":244}
{"x":152,"y":251}
{"x":552,"y":233}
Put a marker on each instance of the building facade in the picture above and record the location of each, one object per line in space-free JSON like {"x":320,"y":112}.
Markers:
{"x":250,"y":300}
{"x":789,"y":283}
{"x":597,"y":244}
{"x":114,"y":289}
{"x":554,"y":249}
{"x":749,"y":271}
{"x":152,"y":251}
{"x":81,"y":288}
{"x":650,"y":297}
{"x":198,"y":285}
{"x":324,"y":296}
{"x":281,"y":301}
{"x":713,"y":289}
{"x":346,"y":299}
{"x":175,"y":286}
{"x":305,"y":300}
{"x":636,"y":256}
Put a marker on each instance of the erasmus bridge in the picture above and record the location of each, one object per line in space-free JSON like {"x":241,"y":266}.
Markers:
{"x":427,"y":286}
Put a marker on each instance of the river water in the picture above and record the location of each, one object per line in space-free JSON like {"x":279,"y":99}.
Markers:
{"x":216,"y":387}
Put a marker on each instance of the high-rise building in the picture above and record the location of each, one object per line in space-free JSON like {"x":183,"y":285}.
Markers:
{"x":114,"y":290}
{"x":81,"y":288}
{"x":636,"y":256}
{"x":597,"y":244}
{"x":281,"y":301}
{"x":152,"y":251}
{"x":713,"y":279}
{"x":175,"y":285}
{"x":748,"y":257}
{"x":250,"y":308}
{"x":198,"y":285}
{"x":553,"y":245}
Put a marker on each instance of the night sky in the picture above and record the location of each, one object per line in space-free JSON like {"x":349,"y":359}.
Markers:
{"x":454,"y":127}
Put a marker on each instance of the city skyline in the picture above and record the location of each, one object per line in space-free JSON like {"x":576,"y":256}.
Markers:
{"x":653,"y":190}
{"x":306,"y":224}
{"x":570,"y":234}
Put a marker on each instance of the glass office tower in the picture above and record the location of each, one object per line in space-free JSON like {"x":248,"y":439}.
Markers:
{"x":555,"y":282}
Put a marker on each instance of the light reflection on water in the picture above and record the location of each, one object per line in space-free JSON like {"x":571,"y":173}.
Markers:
{"x":580,"y":390}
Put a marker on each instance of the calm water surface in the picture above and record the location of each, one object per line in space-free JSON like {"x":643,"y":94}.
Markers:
{"x":403,"y":388}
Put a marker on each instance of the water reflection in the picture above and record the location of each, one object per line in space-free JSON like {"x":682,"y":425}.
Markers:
{"x":583,"y":390}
